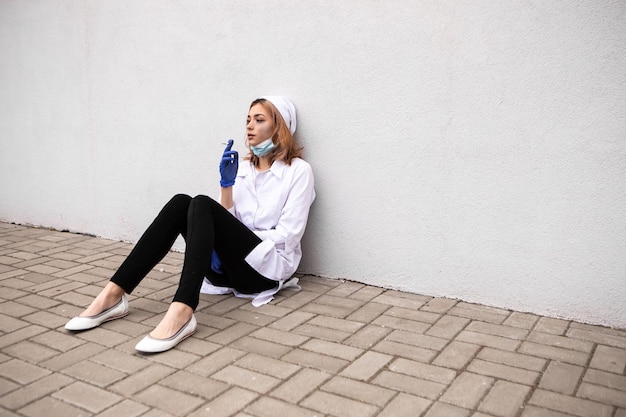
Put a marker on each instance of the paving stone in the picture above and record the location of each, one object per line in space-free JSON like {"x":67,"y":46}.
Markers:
{"x":467,"y":390}
{"x":447,"y":327}
{"x":126,"y":408}
{"x":6,"y":387}
{"x":244,"y":378}
{"x":233,"y":333}
{"x":446,"y":410}
{"x":193,"y":384}
{"x":22,"y":372}
{"x":405,"y":405}
{"x":175,"y":358}
{"x":87,"y":397}
{"x":30,"y":352}
{"x":49,"y":406}
{"x":268,"y":366}
{"x":261,"y":347}
{"x":532,"y":411}
{"x":602,"y":395}
{"x":30,"y":393}
{"x":398,"y":323}
{"x":323,"y":333}
{"x":333,"y":349}
{"x":561,"y":377}
{"x":359,"y":391}
{"x":252,"y":317}
{"x":368,"y":312}
{"x":366,"y":366}
{"x":279,"y":336}
{"x":420,"y":340}
{"x":496,"y":342}
{"x":400,"y":302}
{"x":504,"y":399}
{"x":607,"y":379}
{"x":507,"y":373}
{"x":315,"y":360}
{"x":141,"y":380}
{"x":481,"y":313}
{"x":497,"y":330}
{"x":121,"y":361}
{"x":291,"y":321}
{"x":270,"y":407}
{"x":367,"y":293}
{"x":554,"y":353}
{"x":512,"y":359}
{"x":171,"y":401}
{"x":335,"y":405}
{"x":456,"y":355}
{"x":94,"y":374}
{"x":412,"y":314}
{"x":404,"y":351}
{"x":560,"y":341}
{"x":439,"y":305}
{"x":227,"y":404}
{"x":343,"y":325}
{"x":598,"y":337}
{"x":217,"y":360}
{"x":9,"y":324}
{"x":569,"y":405}
{"x":16,"y":310}
{"x":410,"y":385}
{"x":609,"y":359}
{"x":299,"y":300}
{"x":521,"y":320}
{"x":598,"y":329}
{"x":367,"y":337}
{"x":423,"y":371}
{"x":300,"y":385}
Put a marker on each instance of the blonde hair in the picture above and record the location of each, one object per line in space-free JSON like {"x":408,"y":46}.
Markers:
{"x":285,"y":146}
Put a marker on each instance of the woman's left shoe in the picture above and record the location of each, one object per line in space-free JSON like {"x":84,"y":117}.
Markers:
{"x":151,"y":345}
{"x":85,"y":323}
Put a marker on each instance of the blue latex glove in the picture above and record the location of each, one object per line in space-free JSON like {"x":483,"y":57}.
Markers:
{"x":229,"y":165}
{"x":216,"y":264}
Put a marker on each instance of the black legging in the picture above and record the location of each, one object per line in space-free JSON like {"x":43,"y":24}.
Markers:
{"x":206,"y":226}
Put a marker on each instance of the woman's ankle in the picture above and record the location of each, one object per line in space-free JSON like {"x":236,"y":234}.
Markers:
{"x":110,"y":295}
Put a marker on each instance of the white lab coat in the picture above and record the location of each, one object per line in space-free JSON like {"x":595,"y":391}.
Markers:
{"x":275,"y":205}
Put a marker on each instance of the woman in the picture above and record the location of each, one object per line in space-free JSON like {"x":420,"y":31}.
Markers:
{"x":249,"y":243}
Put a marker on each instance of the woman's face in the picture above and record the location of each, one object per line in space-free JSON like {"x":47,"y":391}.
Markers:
{"x":259,"y":126}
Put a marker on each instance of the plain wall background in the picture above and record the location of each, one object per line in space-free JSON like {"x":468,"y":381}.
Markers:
{"x":472,"y":150}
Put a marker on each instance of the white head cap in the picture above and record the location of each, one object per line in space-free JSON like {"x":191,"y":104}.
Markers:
{"x":286,"y":109}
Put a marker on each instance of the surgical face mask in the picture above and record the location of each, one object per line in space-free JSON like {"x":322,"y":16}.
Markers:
{"x":263,"y":148}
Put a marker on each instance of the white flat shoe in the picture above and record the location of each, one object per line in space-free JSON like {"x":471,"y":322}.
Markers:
{"x":85,"y":323}
{"x":151,"y":345}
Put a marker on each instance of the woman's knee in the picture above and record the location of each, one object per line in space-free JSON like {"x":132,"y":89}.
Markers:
{"x":178,"y":202}
{"x":203,"y":200}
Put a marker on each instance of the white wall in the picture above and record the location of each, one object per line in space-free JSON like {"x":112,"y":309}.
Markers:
{"x":474,"y":150}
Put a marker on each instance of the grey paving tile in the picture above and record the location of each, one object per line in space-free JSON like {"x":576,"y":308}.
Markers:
{"x":336,"y":348}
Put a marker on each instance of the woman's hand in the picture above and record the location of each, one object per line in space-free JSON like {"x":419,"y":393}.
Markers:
{"x":229,"y":165}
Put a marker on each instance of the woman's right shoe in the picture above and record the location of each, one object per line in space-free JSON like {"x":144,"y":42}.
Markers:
{"x":85,"y":323}
{"x":151,"y":345}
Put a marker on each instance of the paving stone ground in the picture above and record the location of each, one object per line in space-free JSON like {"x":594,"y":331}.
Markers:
{"x":335,"y":348}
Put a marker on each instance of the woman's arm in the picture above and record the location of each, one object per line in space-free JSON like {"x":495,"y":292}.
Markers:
{"x":226,"y":197}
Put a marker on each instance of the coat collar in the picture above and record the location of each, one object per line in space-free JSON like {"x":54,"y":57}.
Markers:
{"x":277,"y":169}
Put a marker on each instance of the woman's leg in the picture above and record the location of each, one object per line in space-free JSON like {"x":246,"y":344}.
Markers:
{"x":207,"y":222}
{"x":232,"y":241}
{"x":154,"y":244}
